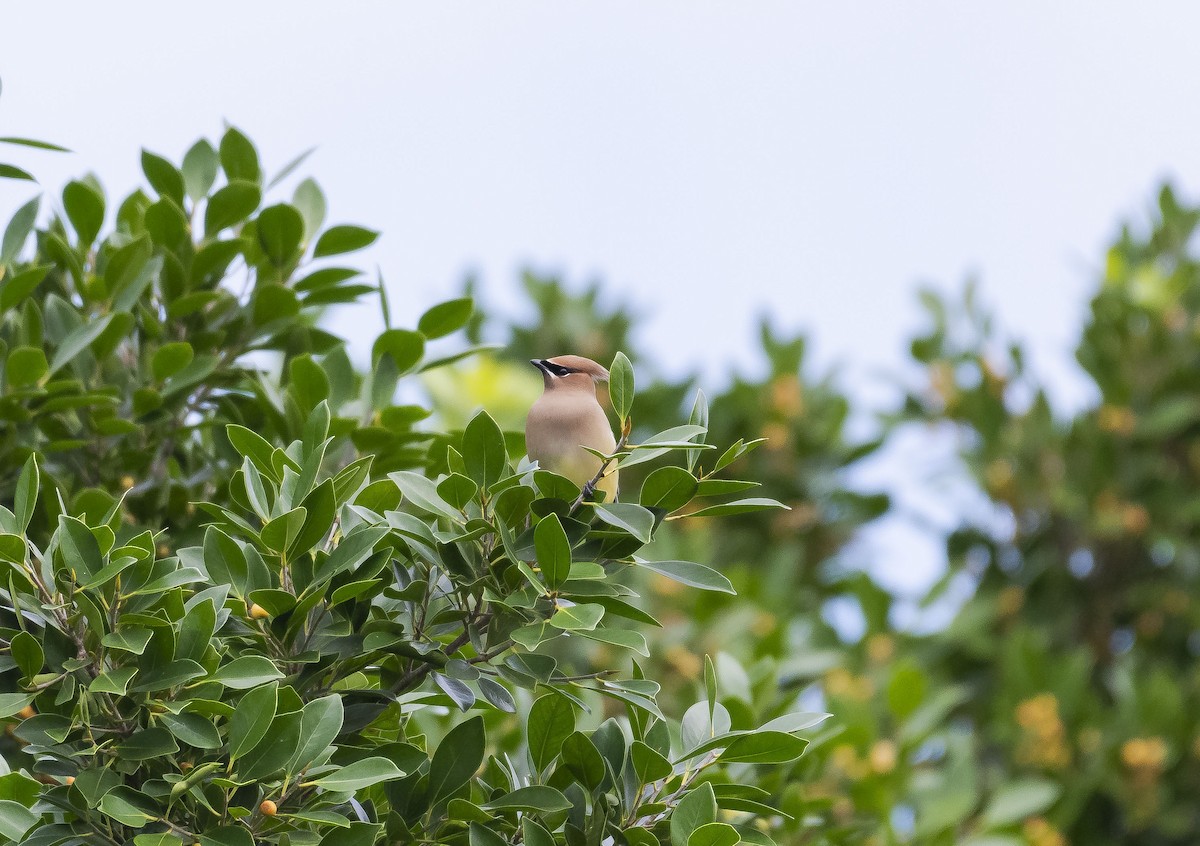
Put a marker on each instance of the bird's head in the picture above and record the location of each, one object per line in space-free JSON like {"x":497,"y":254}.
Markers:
{"x":570,"y":372}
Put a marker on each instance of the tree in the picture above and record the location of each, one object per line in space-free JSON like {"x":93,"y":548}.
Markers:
{"x":246,"y":599}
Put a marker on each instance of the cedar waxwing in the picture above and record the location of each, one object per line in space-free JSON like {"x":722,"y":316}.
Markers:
{"x":566,"y":418}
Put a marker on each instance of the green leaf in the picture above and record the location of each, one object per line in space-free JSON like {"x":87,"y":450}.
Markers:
{"x":246,"y":672}
{"x":445,"y":318}
{"x":14,"y":290}
{"x":251,"y":719}
{"x":649,"y":765}
{"x":116,"y":804}
{"x":580,"y":755}
{"x":479,"y":835}
{"x":19,"y":788}
{"x":77,"y":341}
{"x":131,"y":639}
{"x":230,"y":205}
{"x":668,"y":488}
{"x":796,"y":721}
{"x":404,"y":347}
{"x":354,"y":549}
{"x":200,"y":169}
{"x":256,"y":490}
{"x":28,"y":485}
{"x":535,"y":799}
{"x":497,"y":695}
{"x":192,"y":729}
{"x":621,"y":385}
{"x":577,"y":617}
{"x":357,"y":834}
{"x":170,"y":358}
{"x":114,"y":681}
{"x":736,"y":451}
{"x":360,"y":774}
{"x":457,"y":759}
{"x":279,"y":532}
{"x":163,"y":176}
{"x":715,"y":834}
{"x":422,"y":492}
{"x":160,"y":839}
{"x":15,"y":820}
{"x":78,"y":545}
{"x":457,"y":490}
{"x":623,"y":638}
{"x":551,"y":722}
{"x":343,"y":239}
{"x":691,"y":574}
{"x":85,"y":209}
{"x":254,"y":446}
{"x":11,"y":703}
{"x":628,"y":517}
{"x":131,"y":271}
{"x":147,"y":744}
{"x":290,"y":167}
{"x":484,"y":452}
{"x":697,"y":808}
{"x":320,"y":722}
{"x":31,"y":142}
{"x":710,"y":685}
{"x":225,"y":560}
{"x":8,"y":171}
{"x":1018,"y":800}
{"x":13,"y":548}
{"x":169,"y":675}
{"x":274,"y":751}
{"x":764,"y":747}
{"x":227,"y":835}
{"x":741,"y":506}
{"x":238,"y":157}
{"x":28,"y":654}
{"x":534,"y":834}
{"x":17,"y":231}
{"x":553,"y":550}
{"x":25,"y":366}
{"x":310,"y":201}
{"x":280,"y":231}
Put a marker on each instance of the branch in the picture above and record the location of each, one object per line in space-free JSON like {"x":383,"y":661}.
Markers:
{"x":590,"y":487}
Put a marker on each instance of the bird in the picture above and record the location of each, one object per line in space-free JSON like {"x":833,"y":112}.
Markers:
{"x":566,"y":418}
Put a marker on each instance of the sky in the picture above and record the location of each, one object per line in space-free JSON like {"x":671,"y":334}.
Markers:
{"x":710,"y":162}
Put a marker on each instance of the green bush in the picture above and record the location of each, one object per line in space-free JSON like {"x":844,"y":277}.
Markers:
{"x":245,"y":599}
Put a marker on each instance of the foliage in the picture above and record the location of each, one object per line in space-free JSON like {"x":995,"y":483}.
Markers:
{"x":270,"y":635}
{"x":1059,"y":703}
{"x":127,"y":355}
{"x":1079,"y":644}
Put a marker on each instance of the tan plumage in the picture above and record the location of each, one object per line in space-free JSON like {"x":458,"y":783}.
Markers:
{"x":566,"y":418}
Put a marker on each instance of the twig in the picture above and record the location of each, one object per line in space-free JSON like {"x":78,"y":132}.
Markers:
{"x":590,"y":487}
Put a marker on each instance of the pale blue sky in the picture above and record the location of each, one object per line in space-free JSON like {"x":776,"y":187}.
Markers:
{"x":708,"y":160}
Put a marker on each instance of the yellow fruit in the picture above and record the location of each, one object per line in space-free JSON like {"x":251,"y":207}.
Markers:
{"x":257,"y":612}
{"x":70,"y":779}
{"x":268,"y":808}
{"x":26,"y":712}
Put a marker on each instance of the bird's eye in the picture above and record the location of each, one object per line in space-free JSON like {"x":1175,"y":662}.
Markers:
{"x":559,"y":370}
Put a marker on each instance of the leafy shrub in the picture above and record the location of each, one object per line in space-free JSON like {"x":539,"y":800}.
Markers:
{"x":245,"y":598}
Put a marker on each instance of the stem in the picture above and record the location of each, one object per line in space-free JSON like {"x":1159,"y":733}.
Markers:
{"x":591,"y":486}
{"x":414,"y":676}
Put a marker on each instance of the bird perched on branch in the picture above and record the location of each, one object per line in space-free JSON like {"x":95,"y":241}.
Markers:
{"x":566,"y":418}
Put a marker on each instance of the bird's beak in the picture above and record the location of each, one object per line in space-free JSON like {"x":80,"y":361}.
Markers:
{"x":540,"y":364}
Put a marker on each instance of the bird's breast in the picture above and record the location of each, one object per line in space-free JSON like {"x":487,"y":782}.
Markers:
{"x":559,"y":427}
